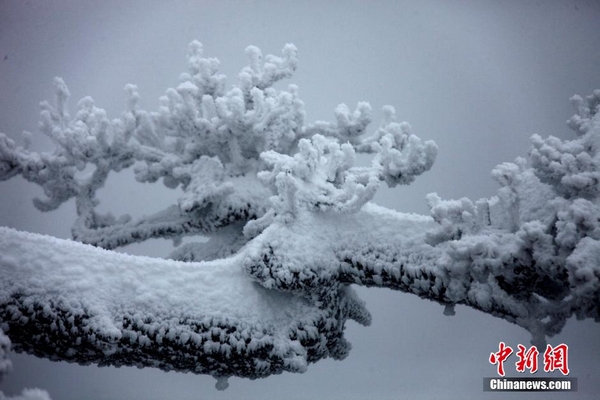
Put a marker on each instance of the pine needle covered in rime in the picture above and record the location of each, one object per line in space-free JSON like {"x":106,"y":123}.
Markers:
{"x":290,"y":225}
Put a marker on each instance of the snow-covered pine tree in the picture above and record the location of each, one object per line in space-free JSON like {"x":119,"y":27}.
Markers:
{"x":290,"y":227}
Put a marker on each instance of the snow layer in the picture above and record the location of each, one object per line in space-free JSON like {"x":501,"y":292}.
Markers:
{"x":68,"y":301}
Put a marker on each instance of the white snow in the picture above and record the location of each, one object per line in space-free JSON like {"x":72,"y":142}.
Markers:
{"x":109,"y":282}
{"x":289,"y":224}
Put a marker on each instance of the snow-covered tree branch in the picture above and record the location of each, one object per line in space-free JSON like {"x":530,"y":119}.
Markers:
{"x":290,"y":226}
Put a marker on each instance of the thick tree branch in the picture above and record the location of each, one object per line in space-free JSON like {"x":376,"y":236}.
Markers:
{"x":295,"y":229}
{"x":68,"y":301}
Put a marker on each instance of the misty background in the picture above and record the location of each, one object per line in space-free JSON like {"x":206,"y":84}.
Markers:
{"x":478,"y":77}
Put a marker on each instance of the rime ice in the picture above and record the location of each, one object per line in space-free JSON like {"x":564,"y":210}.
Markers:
{"x":290,"y":225}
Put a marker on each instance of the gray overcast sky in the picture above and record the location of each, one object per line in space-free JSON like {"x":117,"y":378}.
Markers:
{"x":478,"y":77}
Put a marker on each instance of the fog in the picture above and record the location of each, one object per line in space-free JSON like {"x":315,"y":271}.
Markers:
{"x":478,"y":77}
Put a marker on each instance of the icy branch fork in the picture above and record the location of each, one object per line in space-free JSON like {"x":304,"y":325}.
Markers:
{"x":290,"y":227}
